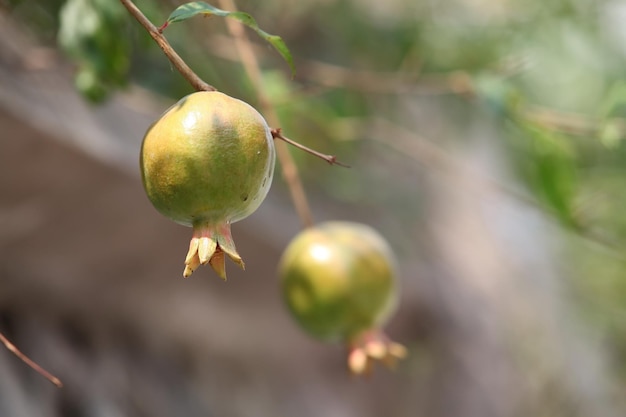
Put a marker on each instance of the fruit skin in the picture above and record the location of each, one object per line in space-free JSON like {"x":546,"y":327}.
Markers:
{"x":209,"y":158}
{"x":338,"y":280}
{"x":206,"y":163}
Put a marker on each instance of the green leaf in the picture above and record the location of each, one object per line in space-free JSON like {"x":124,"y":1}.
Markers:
{"x":549,"y":165}
{"x":195,"y":8}
{"x":614,"y":100}
{"x":611,"y":134}
{"x":89,"y":34}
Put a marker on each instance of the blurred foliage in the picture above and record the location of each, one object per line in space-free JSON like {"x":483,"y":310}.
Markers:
{"x":90,"y":34}
{"x":548,"y":77}
{"x":200,"y":8}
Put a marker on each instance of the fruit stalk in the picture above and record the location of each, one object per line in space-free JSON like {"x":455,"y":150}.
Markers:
{"x":196,"y":82}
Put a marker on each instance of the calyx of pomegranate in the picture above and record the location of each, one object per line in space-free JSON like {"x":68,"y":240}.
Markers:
{"x":208,"y":245}
{"x":370,"y":347}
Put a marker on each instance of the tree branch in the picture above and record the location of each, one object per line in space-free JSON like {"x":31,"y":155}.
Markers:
{"x":196,"y":82}
{"x":331,"y":159}
{"x":12,"y":348}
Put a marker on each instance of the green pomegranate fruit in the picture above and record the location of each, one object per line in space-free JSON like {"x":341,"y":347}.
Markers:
{"x":338,"y":281}
{"x":206,"y":163}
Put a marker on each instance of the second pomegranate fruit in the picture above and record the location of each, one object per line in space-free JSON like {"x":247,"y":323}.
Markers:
{"x":338,"y":281}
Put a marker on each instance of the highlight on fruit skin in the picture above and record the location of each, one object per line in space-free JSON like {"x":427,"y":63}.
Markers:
{"x":338,"y":281}
{"x":208,"y":162}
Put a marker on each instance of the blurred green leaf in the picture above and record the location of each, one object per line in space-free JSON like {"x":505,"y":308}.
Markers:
{"x":614,"y":100}
{"x":496,"y":93}
{"x":611,"y":134}
{"x":90,"y":34}
{"x":90,"y":85}
{"x":551,"y":171}
{"x":195,"y":8}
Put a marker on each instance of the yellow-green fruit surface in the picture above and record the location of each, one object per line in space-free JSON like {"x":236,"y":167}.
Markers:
{"x":338,"y":280}
{"x":209,"y":159}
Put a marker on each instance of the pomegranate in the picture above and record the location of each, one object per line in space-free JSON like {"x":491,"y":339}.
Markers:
{"x":338,"y":281}
{"x":206,"y":163}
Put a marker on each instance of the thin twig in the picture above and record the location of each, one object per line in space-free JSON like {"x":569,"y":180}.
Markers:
{"x":195,"y":81}
{"x":251,"y":66}
{"x":334,"y":76}
{"x":555,"y":120}
{"x":12,"y":348}
{"x":331,"y":159}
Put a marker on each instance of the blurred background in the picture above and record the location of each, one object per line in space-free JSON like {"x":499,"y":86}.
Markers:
{"x":486,"y":143}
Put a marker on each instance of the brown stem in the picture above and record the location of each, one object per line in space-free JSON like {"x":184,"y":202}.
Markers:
{"x":569,"y":123}
{"x":195,"y":81}
{"x":251,"y":66}
{"x":331,"y":159}
{"x":11,"y":347}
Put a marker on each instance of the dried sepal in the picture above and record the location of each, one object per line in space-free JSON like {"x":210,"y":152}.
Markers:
{"x":370,"y":347}
{"x":208,"y":246}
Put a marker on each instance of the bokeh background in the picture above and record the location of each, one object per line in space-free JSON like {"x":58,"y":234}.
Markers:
{"x":486,"y":143}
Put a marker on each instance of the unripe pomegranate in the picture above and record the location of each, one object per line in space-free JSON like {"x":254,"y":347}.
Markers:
{"x":206,"y":163}
{"x":338,"y":281}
